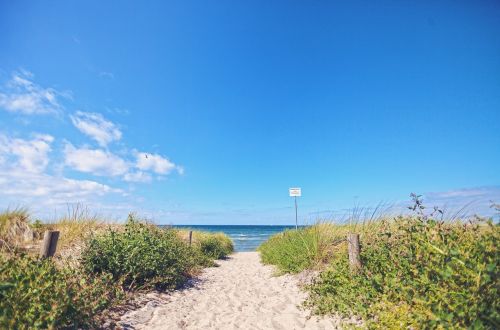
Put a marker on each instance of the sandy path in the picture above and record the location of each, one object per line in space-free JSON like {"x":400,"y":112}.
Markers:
{"x":240,"y":294}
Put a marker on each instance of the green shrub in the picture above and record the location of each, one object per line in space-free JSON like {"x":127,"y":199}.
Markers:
{"x":141,"y":256}
{"x":418,"y":271}
{"x":35,"y":294}
{"x":213,"y":245}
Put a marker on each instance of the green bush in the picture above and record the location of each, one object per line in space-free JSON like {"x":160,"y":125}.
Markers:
{"x":213,"y":245}
{"x":35,"y":294}
{"x":418,"y":273}
{"x":141,"y":256}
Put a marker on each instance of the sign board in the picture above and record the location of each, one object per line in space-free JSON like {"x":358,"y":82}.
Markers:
{"x":295,"y":192}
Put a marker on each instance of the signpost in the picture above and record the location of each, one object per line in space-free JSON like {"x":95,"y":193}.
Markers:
{"x":295,"y":192}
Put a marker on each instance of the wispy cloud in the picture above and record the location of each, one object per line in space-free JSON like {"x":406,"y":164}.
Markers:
{"x":106,"y":74}
{"x":24,"y":177}
{"x":58,"y":189}
{"x":34,"y":169}
{"x":118,"y":111}
{"x":29,"y":155}
{"x":156,"y":163}
{"x":96,"y":127}
{"x":465,"y":201}
{"x":22,"y":95}
{"x":101,"y":162}
{"x":94,"y":161}
{"x":138,"y":176}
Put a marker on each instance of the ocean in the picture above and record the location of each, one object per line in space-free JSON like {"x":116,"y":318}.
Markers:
{"x":245,"y":237}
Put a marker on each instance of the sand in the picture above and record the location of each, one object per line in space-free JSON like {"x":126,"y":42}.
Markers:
{"x":239,"y":294}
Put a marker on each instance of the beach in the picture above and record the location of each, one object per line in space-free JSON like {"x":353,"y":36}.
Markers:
{"x":241,"y":293}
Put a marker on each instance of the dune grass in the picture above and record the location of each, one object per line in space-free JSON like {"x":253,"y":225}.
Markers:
{"x":295,"y":250}
{"x":418,"y":272}
{"x":209,"y":244}
{"x":13,"y":226}
{"x":77,"y":224}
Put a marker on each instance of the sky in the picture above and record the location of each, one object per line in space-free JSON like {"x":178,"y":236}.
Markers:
{"x":196,"y":112}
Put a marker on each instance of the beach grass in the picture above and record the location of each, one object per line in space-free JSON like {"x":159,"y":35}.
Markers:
{"x":213,"y":245}
{"x":13,"y":225}
{"x":417,"y":272}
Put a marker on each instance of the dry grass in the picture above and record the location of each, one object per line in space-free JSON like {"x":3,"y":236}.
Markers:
{"x":76,"y":225}
{"x":14,"y":229}
{"x":17,"y":232}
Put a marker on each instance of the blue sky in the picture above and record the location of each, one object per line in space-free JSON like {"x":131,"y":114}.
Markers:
{"x":198,"y":112}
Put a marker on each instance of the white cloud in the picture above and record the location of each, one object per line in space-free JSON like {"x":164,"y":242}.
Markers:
{"x":138,"y":176}
{"x":94,"y":161}
{"x":22,"y":95}
{"x":24,"y":179}
{"x":95,"y":126}
{"x":465,"y":201}
{"x":155,"y":163}
{"x":46,"y":194}
{"x":104,"y":163}
{"x":30,"y":155}
{"x":23,"y":184}
{"x":106,"y":74}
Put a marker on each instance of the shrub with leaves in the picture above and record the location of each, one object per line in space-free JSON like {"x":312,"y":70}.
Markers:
{"x":141,"y":256}
{"x":35,"y":294}
{"x":418,"y":273}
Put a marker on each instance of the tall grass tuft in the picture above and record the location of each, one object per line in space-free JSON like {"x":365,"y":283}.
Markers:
{"x":14,"y":228}
{"x":212,"y":245}
{"x":77,"y":225}
{"x":295,"y":250}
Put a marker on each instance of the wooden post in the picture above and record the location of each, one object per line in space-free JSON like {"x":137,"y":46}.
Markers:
{"x":190,"y":237}
{"x":353,"y":249}
{"x":49,"y":244}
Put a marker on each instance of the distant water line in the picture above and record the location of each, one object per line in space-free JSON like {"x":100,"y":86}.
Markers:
{"x":245,"y":237}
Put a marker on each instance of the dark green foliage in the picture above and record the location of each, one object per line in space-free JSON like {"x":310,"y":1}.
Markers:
{"x":141,"y":256}
{"x":35,"y":294}
{"x":418,"y":272}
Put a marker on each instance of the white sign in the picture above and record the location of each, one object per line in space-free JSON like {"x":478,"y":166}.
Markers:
{"x":295,"y":192}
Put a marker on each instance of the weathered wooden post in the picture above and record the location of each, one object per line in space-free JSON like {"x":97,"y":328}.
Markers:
{"x":190,"y":237}
{"x":354,"y":250}
{"x":49,"y":244}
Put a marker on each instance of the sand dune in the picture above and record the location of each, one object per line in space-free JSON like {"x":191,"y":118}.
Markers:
{"x":240,"y":294}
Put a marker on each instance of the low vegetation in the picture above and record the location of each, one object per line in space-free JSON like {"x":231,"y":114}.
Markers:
{"x":213,"y":245}
{"x":141,"y":256}
{"x":306,"y":248}
{"x":112,"y":259}
{"x":417,"y":272}
{"x":36,"y":294}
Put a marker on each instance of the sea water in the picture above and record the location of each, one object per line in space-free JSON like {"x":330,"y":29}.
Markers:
{"x":245,"y":237}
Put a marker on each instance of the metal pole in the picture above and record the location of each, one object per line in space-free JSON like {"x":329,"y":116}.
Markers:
{"x":296,"y":222}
